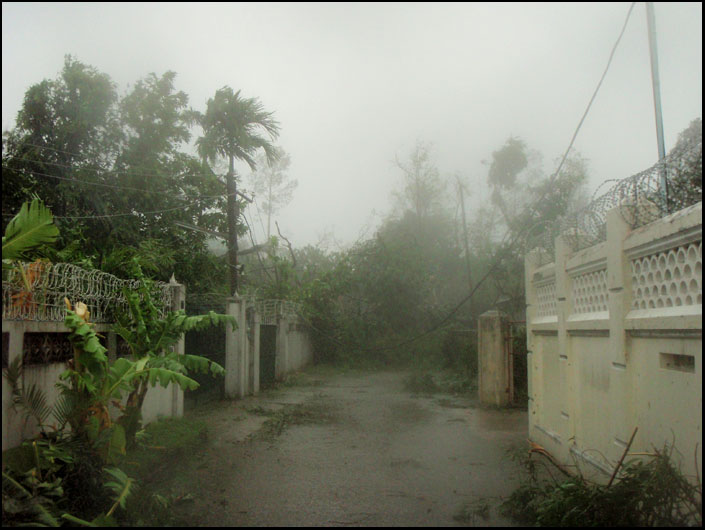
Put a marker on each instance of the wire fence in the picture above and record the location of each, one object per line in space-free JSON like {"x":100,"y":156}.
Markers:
{"x":50,"y":283}
{"x":269,"y":310}
{"x":672,"y":184}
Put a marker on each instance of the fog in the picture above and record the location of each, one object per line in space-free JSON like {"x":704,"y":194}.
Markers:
{"x":356,"y":85}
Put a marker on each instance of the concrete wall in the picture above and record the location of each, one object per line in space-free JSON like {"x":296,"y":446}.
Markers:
{"x":242,"y":354}
{"x":159,"y":402}
{"x":299,"y":347}
{"x":614,"y":336}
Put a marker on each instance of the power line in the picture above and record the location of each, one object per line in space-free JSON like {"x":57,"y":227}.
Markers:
{"x":113,"y":186}
{"x":497,"y":258}
{"x":99,"y":170}
{"x":599,"y":84}
{"x":108,"y":171}
{"x":133,"y":213}
{"x":113,"y":171}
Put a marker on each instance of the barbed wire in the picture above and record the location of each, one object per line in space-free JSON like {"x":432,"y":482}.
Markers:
{"x":50,"y":283}
{"x":673,"y":183}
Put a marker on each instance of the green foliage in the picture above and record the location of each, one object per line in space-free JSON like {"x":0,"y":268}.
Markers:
{"x":150,"y":338}
{"x":29,"y":400}
{"x":649,"y":492}
{"x":231,"y":125}
{"x":96,"y":157}
{"x":31,"y":228}
{"x":507,"y":163}
{"x":686,"y":169}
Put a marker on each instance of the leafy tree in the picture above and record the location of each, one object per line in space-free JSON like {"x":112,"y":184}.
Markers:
{"x":685,"y":168}
{"x":232,"y":128}
{"x":65,"y":127}
{"x":117,"y":174}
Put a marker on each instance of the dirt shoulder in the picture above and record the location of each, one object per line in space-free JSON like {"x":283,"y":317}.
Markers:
{"x":351,"y":449}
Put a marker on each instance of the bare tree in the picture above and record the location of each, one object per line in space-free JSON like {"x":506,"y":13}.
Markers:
{"x":271,"y":183}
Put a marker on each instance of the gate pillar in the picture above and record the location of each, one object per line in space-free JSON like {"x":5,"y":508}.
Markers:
{"x":255,"y":353}
{"x":495,"y":377}
{"x":236,"y":365}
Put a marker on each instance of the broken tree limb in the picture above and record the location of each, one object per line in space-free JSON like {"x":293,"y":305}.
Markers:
{"x":624,"y":454}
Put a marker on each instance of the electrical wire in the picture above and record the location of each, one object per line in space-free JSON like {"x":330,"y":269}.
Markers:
{"x":497,"y":258}
{"x":110,"y":171}
{"x":599,"y":84}
{"x":114,"y":186}
{"x":115,"y":171}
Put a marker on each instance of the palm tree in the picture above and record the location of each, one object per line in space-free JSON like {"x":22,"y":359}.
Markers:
{"x":232,"y":128}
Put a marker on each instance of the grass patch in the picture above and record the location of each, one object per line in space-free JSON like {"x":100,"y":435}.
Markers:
{"x":162,"y":440}
{"x":649,"y":492}
{"x":166,"y":449}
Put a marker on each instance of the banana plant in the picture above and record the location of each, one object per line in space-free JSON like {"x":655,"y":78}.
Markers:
{"x":150,"y":337}
{"x":29,"y":230}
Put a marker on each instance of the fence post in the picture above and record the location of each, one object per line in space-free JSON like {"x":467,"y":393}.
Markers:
{"x":282,"y":356}
{"x":233,"y":349}
{"x":619,"y":292}
{"x":244,"y":361}
{"x":178,"y":302}
{"x":494,"y":377}
{"x":255,"y":363}
{"x":532,"y":367}
{"x":567,"y":362}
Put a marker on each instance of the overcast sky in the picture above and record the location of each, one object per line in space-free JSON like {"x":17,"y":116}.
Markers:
{"x":354,"y":85}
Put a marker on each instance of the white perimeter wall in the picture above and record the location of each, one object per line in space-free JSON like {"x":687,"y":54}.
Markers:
{"x":615,"y":342}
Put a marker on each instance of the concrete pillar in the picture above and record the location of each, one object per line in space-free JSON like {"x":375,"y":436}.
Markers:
{"x":178,"y":303}
{"x":569,"y":385}
{"x":234,"y":346}
{"x":494,"y":363}
{"x":619,"y":289}
{"x":281,"y":364}
{"x":244,"y":362}
{"x":255,"y":378}
{"x":533,"y":365}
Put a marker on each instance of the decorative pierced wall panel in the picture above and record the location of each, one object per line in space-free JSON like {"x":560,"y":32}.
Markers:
{"x":590,"y":292}
{"x":668,"y":279}
{"x":122,"y":347}
{"x":46,"y":348}
{"x":546,"y":294}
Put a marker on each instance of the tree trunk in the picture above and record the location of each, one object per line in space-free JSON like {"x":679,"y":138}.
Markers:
{"x":232,"y":227}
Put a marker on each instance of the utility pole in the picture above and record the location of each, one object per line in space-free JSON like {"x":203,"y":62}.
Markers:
{"x":656,"y":84}
{"x":465,"y":237}
{"x":233,"y":214}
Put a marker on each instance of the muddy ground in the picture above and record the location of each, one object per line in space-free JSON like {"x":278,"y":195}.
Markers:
{"x":352,"y":449}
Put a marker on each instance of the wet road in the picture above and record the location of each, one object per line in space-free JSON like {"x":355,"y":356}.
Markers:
{"x":368,"y":453}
